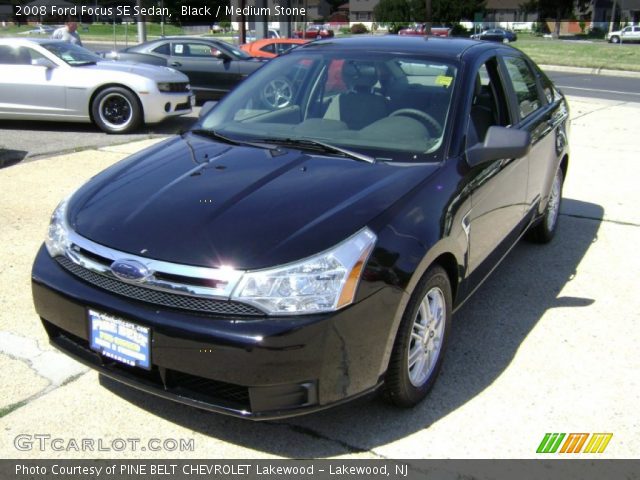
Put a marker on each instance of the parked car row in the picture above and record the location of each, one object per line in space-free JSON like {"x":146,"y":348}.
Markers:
{"x":42,"y":79}
{"x":214,"y":67}
{"x":419,"y":29}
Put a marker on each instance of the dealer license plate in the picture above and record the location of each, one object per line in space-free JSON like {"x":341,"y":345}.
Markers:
{"x":120,"y":340}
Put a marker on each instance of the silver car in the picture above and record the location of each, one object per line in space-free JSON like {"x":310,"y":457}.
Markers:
{"x":53,"y":80}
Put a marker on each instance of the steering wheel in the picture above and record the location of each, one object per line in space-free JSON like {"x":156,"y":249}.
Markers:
{"x":428,"y":119}
{"x":278,"y":93}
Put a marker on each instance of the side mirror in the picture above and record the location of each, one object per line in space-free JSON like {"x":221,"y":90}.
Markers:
{"x":206,"y":108}
{"x":499,"y":143}
{"x":43,"y":62}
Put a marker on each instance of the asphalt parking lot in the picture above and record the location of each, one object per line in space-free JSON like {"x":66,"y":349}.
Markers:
{"x":25,"y":140}
{"x":548,"y":344}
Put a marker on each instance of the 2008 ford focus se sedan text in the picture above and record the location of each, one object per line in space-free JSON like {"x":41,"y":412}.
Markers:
{"x":308,"y":240}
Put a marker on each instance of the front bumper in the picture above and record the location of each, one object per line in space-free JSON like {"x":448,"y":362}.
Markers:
{"x":159,"y":106}
{"x":259,"y":368}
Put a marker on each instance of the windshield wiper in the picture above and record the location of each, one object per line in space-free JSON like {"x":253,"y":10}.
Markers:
{"x":231,"y":141}
{"x":83,"y":63}
{"x":306,"y":143}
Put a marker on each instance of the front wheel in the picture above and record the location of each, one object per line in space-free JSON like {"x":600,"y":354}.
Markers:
{"x":615,"y":39}
{"x":116,"y":110}
{"x":421,"y":340}
{"x":545,"y":229}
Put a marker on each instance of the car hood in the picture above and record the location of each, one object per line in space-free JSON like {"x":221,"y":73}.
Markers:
{"x":154,"y":72}
{"x":194,"y":201}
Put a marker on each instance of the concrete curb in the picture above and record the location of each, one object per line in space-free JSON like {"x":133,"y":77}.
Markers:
{"x":591,"y":71}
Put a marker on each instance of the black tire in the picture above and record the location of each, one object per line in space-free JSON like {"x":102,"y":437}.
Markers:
{"x":404,"y":385}
{"x":116,"y":110}
{"x":614,"y":39}
{"x":544,"y":229}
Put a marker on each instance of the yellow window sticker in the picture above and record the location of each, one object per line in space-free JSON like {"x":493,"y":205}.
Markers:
{"x":443,"y":80}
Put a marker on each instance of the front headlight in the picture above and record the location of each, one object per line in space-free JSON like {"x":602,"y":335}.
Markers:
{"x":322,"y":283}
{"x":164,"y":86}
{"x":57,"y":240}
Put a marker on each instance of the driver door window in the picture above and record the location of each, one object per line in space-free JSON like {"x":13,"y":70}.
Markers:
{"x":489,"y":104}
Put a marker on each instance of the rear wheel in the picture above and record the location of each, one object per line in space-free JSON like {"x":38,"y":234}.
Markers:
{"x":421,"y":340}
{"x":116,"y":110}
{"x":545,"y":229}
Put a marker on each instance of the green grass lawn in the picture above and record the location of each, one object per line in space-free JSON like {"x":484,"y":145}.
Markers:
{"x":99,"y":31}
{"x":593,"y":54}
{"x":584,"y":53}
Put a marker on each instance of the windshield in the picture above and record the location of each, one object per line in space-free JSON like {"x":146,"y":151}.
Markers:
{"x":72,"y":54}
{"x":390,"y":106}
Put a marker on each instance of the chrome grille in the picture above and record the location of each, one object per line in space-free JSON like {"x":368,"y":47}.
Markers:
{"x":157,"y":297}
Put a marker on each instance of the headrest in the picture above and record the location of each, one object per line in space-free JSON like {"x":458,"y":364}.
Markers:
{"x":359,"y":75}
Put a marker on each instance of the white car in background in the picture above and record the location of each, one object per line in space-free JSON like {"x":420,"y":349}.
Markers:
{"x":39,"y":30}
{"x":53,"y":80}
{"x":627,"y":34}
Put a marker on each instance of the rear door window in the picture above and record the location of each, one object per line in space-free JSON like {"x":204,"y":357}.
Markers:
{"x":163,"y":49}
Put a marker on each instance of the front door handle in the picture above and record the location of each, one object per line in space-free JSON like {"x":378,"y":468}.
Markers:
{"x":175,"y":64}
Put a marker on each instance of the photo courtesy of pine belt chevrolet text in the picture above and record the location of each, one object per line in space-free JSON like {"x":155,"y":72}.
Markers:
{"x":309,"y":239}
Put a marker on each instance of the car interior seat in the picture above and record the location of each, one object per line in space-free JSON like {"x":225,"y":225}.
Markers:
{"x":7,"y":56}
{"x":359,"y":106}
{"x":23,"y":57}
{"x":482,"y":111}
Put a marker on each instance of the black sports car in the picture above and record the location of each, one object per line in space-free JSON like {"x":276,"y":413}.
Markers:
{"x":214,"y":67}
{"x":497,"y":35}
{"x":309,"y":239}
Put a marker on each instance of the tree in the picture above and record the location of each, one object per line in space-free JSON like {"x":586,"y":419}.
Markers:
{"x":443,"y":11}
{"x":559,"y":10}
{"x":394,"y":11}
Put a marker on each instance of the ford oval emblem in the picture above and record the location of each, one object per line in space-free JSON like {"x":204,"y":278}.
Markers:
{"x":130,"y":270}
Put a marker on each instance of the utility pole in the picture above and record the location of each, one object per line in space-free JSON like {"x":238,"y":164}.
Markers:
{"x":428,"y":19}
{"x":613,"y":15}
{"x":243,"y":27}
{"x":142,"y":30}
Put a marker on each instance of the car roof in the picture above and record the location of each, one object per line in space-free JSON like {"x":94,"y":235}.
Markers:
{"x":184,"y":37}
{"x":450,"y":47}
{"x":27,"y":41}
{"x":264,"y":41}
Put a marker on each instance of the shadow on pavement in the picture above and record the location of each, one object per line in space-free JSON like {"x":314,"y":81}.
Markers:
{"x":56,"y":138}
{"x":487,"y":332}
{"x":10,"y":157}
{"x":169,"y":126}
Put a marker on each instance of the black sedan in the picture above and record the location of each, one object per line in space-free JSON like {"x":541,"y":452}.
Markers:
{"x":309,"y":240}
{"x":214,"y":67}
{"x":497,"y":35}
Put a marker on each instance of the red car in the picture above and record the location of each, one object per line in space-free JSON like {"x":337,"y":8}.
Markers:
{"x":419,"y":30}
{"x":314,"y":31}
{"x":271,"y":47}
